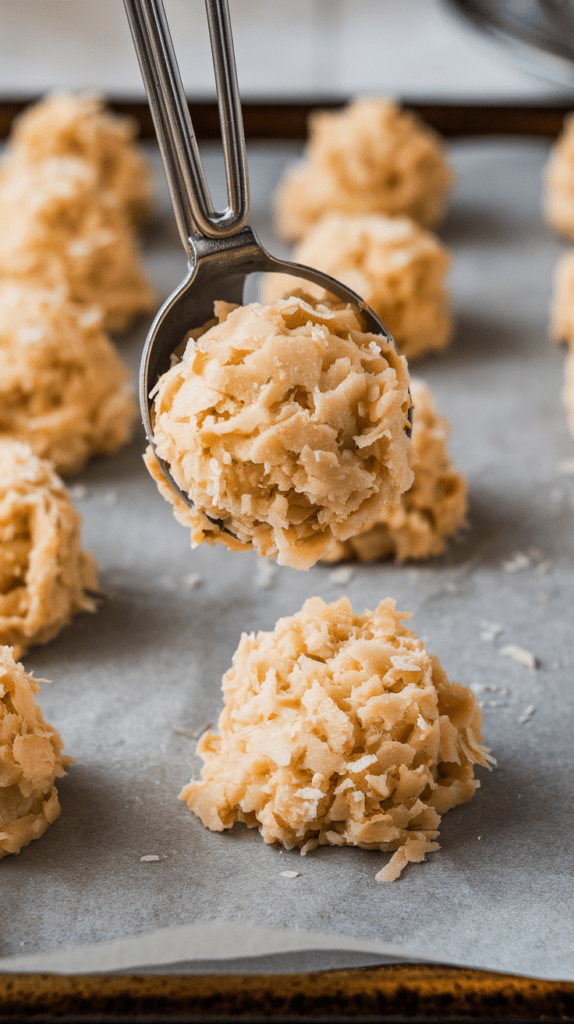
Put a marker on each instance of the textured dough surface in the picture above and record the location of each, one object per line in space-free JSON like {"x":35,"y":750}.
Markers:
{"x":289,"y":424}
{"x":559,"y":183}
{"x":80,"y":126}
{"x":432,"y":509}
{"x":58,"y":230}
{"x":562,"y":313}
{"x":569,"y":389}
{"x":45,"y":576}
{"x":371,"y":157}
{"x":31,"y":760}
{"x":397,"y":267}
{"x":63,"y":387}
{"x":339,"y":729}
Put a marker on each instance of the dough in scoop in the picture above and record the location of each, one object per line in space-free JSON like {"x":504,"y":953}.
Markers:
{"x":287,"y":423}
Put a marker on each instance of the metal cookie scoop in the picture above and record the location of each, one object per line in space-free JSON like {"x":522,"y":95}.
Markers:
{"x":222,"y":252}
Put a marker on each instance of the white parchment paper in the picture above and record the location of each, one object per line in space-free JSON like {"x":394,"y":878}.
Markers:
{"x":134,"y":685}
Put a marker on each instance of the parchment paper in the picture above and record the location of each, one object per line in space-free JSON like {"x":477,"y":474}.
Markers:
{"x":134,"y":685}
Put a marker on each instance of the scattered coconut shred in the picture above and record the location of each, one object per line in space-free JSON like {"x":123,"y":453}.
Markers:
{"x":340,"y":729}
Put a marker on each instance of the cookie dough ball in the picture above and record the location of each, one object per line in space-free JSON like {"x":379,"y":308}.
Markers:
{"x":559,"y":183}
{"x":45,"y":577}
{"x":562,"y":313}
{"x":339,"y":729}
{"x":31,"y":760}
{"x":80,"y":126}
{"x":55,"y":231}
{"x":371,"y":157}
{"x":431,"y":510}
{"x":63,"y":387}
{"x":397,"y":267}
{"x":288,"y":423}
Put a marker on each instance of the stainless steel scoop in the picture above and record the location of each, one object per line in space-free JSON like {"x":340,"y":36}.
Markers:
{"x":222,"y":252}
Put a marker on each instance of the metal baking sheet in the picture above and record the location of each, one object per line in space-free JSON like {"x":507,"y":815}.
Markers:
{"x":134,"y":685}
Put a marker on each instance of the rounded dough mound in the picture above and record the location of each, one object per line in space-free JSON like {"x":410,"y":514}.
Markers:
{"x":371,"y":157}
{"x":339,"y":729}
{"x":568,"y":392}
{"x":286,"y":422}
{"x":31,"y":760}
{"x":63,"y":387}
{"x":57,"y":232}
{"x":562,"y":313}
{"x":45,"y":576}
{"x":80,"y":126}
{"x":397,"y":267}
{"x":431,"y":510}
{"x":559,"y":182}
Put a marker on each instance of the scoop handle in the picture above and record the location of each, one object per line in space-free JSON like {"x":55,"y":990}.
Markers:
{"x":192,"y":203}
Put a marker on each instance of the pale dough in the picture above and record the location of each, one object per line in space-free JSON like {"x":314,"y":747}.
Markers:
{"x":397,"y":267}
{"x":569,"y":389}
{"x":80,"y":126}
{"x":339,"y":729}
{"x":431,"y":510}
{"x":562,"y":313}
{"x":45,"y":576}
{"x":57,"y":232}
{"x":559,"y":184}
{"x":31,"y":760}
{"x":288,"y":423}
{"x":63,"y":387}
{"x":371,"y":157}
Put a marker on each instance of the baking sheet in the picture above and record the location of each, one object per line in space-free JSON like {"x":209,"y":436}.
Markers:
{"x":134,"y":685}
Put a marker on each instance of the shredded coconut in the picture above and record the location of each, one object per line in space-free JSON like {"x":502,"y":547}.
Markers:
{"x":527,"y":714}
{"x":45,"y":577}
{"x":398,"y":268}
{"x":31,"y":760}
{"x":378,"y":751}
{"x":517,"y":563}
{"x":490,"y":630}
{"x":149,"y":857}
{"x":274,"y":495}
{"x":520,"y":655}
{"x":340,"y":577}
{"x":434,"y":507}
{"x":371,"y":157}
{"x":68,"y":394}
{"x":559,"y":190}
{"x":265,"y":574}
{"x":289,"y":874}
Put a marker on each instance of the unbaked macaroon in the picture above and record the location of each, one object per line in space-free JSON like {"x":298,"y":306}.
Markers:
{"x":45,"y":576}
{"x":80,"y":126}
{"x":397,"y":267}
{"x":559,"y":181}
{"x":63,"y":387}
{"x":371,"y":157}
{"x":286,"y":423}
{"x":340,"y":729}
{"x":57,"y":232}
{"x":31,"y":760}
{"x":433,"y":508}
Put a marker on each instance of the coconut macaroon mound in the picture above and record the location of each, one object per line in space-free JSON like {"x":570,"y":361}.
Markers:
{"x":31,"y":760}
{"x":371,"y":157}
{"x":562,"y":312}
{"x":80,"y":126}
{"x":397,"y":267}
{"x":568,"y":393}
{"x":340,"y":729}
{"x":63,"y":387}
{"x":287,"y":423}
{"x":431,"y":511}
{"x":57,"y":232}
{"x":559,"y":182}
{"x":45,"y":576}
